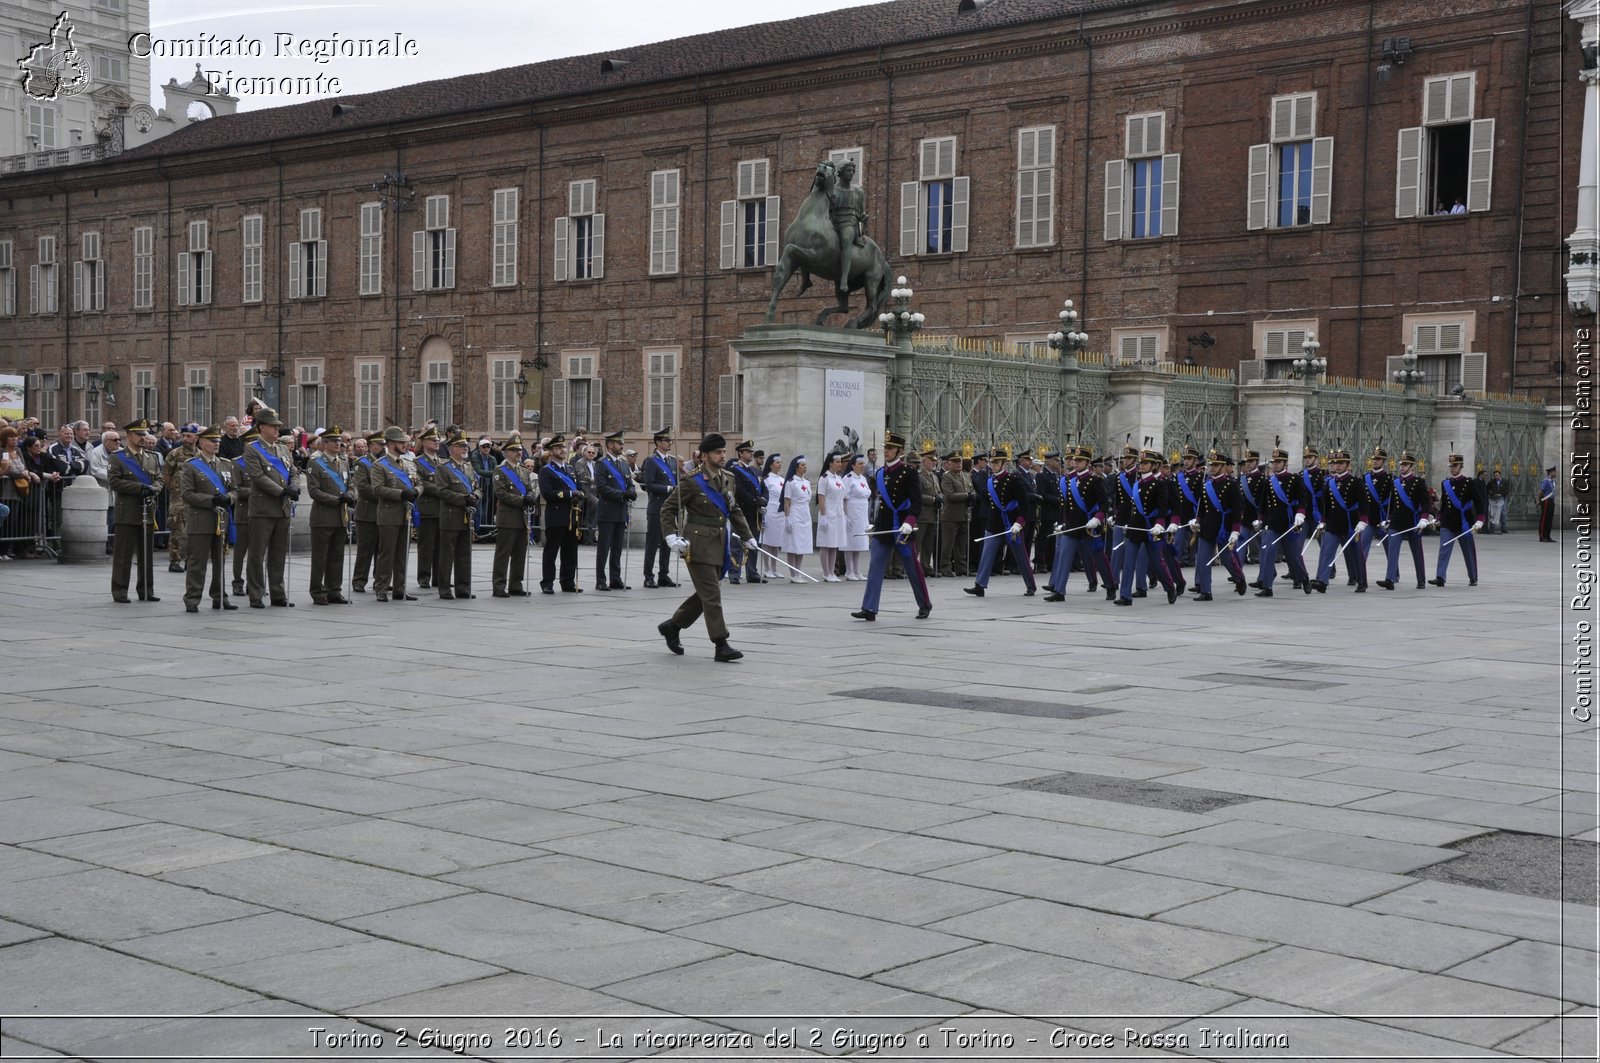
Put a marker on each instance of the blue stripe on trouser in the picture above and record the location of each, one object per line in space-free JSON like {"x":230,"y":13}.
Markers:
{"x":1118,"y":537}
{"x":1205,"y":549}
{"x":1146,"y":561}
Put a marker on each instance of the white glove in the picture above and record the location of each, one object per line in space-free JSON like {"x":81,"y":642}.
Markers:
{"x":1194,"y":524}
{"x":1016,"y":529}
{"x":1477,"y":525}
{"x":1384,"y":525}
{"x":1059,"y":529}
{"x":751,"y":544}
{"x":1158,"y":530}
{"x":1233,"y":538}
{"x":1094,"y":522}
{"x":1299,"y":519}
{"x":1319,"y":528}
{"x":1361,"y":527}
{"x":1255,"y":525}
{"x":678,"y":544}
{"x":907,"y":529}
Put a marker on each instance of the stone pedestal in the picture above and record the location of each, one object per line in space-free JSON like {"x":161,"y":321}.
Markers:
{"x":1138,"y":410}
{"x":83,"y":521}
{"x":1455,"y":427}
{"x":1274,"y":415}
{"x":784,"y":369}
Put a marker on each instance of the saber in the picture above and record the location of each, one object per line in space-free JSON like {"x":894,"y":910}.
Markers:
{"x":1307,"y":546}
{"x":1064,"y":531}
{"x":996,"y":535}
{"x":1453,"y":538}
{"x":1236,"y":549}
{"x":785,"y":564}
{"x":1348,"y":541}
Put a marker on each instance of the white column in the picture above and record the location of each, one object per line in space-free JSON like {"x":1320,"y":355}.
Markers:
{"x":1583,"y":246}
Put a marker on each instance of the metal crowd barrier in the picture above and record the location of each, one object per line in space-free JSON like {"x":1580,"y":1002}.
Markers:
{"x":31,"y":526}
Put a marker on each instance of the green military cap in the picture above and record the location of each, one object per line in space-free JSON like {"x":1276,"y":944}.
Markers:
{"x":459,"y":439}
{"x":214,"y":432}
{"x":141,"y":425}
{"x":395,"y":434}
{"x":268,"y":416}
{"x":431,"y":432}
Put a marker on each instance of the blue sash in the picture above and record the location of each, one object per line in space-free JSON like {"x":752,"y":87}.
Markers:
{"x":1249,"y":495}
{"x":222,"y":489}
{"x":1372,"y":492}
{"x":468,"y":484}
{"x":1311,"y":490}
{"x":672,"y":477}
{"x":1215,"y":499}
{"x":715,"y":498}
{"x":1333,"y":486}
{"x":422,"y":461}
{"x":272,"y":459}
{"x":1277,"y":489}
{"x":135,"y":468}
{"x":616,"y":473}
{"x":754,"y":482}
{"x":1455,"y":500}
{"x":900,"y":510}
{"x":338,"y":481}
{"x":572,"y":488}
{"x":416,"y":511}
{"x":516,"y":479}
{"x":1188,"y":492}
{"x":1132,"y":491}
{"x":1402,"y":495}
{"x":1077,"y":496}
{"x":994,"y":497}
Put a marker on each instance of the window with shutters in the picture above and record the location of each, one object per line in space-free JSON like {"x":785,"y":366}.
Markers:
{"x":371,"y":249}
{"x":730,"y":397}
{"x":504,"y":248}
{"x":252,"y":383}
{"x":8,"y":279}
{"x":433,"y":249}
{"x":194,"y":267}
{"x":44,"y":287}
{"x":1291,"y":176}
{"x":1036,"y":186}
{"x":750,"y":223}
{"x":194,"y":397}
{"x":109,"y":68}
{"x":1141,"y":194}
{"x":1029,"y":346}
{"x":840,"y":156}
{"x":1278,"y":344}
{"x":86,"y":383}
{"x":46,"y":389}
{"x":1139,"y":346}
{"x":665,"y":193}
{"x":308,"y":258}
{"x":934,"y":208}
{"x":575,"y":399}
{"x":369,"y":396}
{"x":580,"y":236}
{"x":144,"y":259}
{"x":1443,"y":346}
{"x":661,"y":392}
{"x":1446,"y":165}
{"x":306,"y":404}
{"x":436,"y":398}
{"x":42,"y":122}
{"x":145,"y":406}
{"x":89,"y":276}
{"x":505,"y":414}
{"x":250,"y":275}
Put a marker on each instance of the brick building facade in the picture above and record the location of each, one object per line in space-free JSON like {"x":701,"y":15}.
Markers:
{"x":1207,"y":178}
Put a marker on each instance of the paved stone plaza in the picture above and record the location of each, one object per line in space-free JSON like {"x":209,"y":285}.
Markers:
{"x":1337,"y":822}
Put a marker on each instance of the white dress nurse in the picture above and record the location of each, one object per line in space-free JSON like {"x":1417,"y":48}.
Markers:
{"x":772,"y":530}
{"x":797,"y":516}
{"x":832,"y":533}
{"x":857,"y":499}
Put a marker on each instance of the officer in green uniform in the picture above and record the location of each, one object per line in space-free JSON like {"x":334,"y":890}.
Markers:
{"x":327,"y":481}
{"x":205,"y":486}
{"x":456,"y":492}
{"x":515,"y":499}
{"x":361,"y":481}
{"x":697,"y":515}
{"x":133,"y":474}
{"x":241,"y":510}
{"x":396,"y":487}
{"x":275,"y":488}
{"x":177,"y":510}
{"x":427,"y":459}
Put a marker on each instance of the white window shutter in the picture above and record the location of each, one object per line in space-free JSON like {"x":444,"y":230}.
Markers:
{"x":730,"y":233}
{"x":449,"y":258}
{"x":1274,"y":343}
{"x":291,"y":408}
{"x":77,"y":286}
{"x":205,"y":277}
{"x":1408,"y":175}
{"x":596,"y":394}
{"x":960,"y":203}
{"x":947,"y":156}
{"x":773,"y":231}
{"x":1027,"y":149}
{"x":321,"y":258}
{"x":1258,"y":191}
{"x":1427,"y":339}
{"x":99,"y":293}
{"x":1435,"y":100}
{"x":184,"y":264}
{"x":297,"y":282}
{"x":726,"y":392}
{"x":1027,"y":183}
{"x":1282,"y":119}
{"x":1169,"y":195}
{"x":558,"y":406}
{"x":33,"y":289}
{"x":419,"y":260}
{"x":1475,"y":371}
{"x":563,"y":242}
{"x":1128,"y":349}
{"x":597,"y":246}
{"x":1450,"y":337}
{"x":1155,"y":133}
{"x":910,"y":217}
{"x":1114,"y":198}
{"x":745,"y":180}
{"x":1480,"y":165}
{"x":575,"y":199}
{"x":1321,"y":180}
{"x":419,"y":403}
{"x":183,"y":406}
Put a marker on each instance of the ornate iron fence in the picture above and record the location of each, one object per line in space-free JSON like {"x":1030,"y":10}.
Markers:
{"x":1511,"y":435}
{"x":1201,"y":409}
{"x":1360,"y":415}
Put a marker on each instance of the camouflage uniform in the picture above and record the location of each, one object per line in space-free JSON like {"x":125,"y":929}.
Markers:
{"x":177,"y":511}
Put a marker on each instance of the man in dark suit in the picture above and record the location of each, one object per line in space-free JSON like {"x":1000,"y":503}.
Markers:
{"x":561,"y":494}
{"x":658,"y":477}
{"x":615,"y":489}
{"x":515,"y":500}
{"x":750,"y":491}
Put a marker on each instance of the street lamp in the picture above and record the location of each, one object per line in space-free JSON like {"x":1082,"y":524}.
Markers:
{"x":1408,"y":375}
{"x":1308,"y":365}
{"x":1068,"y":340}
{"x":900,"y":323}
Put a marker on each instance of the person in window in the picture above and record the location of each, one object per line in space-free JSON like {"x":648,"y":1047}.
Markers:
{"x":1460,"y":206}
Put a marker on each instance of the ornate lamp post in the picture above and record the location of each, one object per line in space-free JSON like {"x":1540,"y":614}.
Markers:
{"x":1408,"y":375}
{"x":538,"y":363}
{"x":1068,"y":340}
{"x":900,"y":323}
{"x":1308,"y":366}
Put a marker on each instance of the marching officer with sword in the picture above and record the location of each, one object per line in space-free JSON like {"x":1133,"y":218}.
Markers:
{"x":898,"y":490}
{"x":705,"y":516}
{"x":1345,"y":517}
{"x":1006,"y":519}
{"x":1079,"y":535}
{"x":1409,"y":517}
{"x":1463,"y":503}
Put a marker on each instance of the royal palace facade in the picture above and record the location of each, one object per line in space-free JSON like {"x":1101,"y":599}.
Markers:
{"x":576,"y":243}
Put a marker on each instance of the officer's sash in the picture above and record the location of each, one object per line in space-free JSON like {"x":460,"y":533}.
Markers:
{"x":1311,"y":490}
{"x":716,"y":499}
{"x":216,"y":481}
{"x":900,"y":509}
{"x":1077,"y":496}
{"x":468,"y":484}
{"x":1132,"y":491}
{"x":1372,"y":492}
{"x":1455,"y":500}
{"x":416,"y":512}
{"x":338,"y":481}
{"x":1215,"y":499}
{"x":274,"y":461}
{"x":1277,"y":489}
{"x":672,"y":477}
{"x":1333,"y":487}
{"x":516,"y":480}
{"x":1403,"y":495}
{"x":572,"y":488}
{"x":135,"y":468}
{"x":1188,"y":491}
{"x":994,"y":496}
{"x":755,"y":482}
{"x":616,"y":473}
{"x":422,"y":461}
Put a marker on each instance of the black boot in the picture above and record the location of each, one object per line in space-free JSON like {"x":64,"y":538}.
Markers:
{"x":669,"y":631}
{"x":725,"y":652}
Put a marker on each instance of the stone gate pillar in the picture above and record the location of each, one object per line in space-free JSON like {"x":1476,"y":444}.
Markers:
{"x":1138,"y":409}
{"x":1455,"y":421}
{"x":1274,"y":414}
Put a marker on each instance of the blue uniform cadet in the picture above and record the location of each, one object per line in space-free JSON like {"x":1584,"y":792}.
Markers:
{"x":1005,"y":519}
{"x":1282,"y":514}
{"x":1116,"y":497}
{"x":1346,"y":518}
{"x":1082,"y":531}
{"x":1143,"y":508}
{"x":1409,"y":516}
{"x":897,"y":489}
{"x":1187,"y":481}
{"x":658,"y":475}
{"x":1463,"y":504}
{"x":1219,"y":518}
{"x":750,"y":492}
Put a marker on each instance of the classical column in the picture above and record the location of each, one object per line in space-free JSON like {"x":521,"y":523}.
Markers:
{"x":1583,"y":274}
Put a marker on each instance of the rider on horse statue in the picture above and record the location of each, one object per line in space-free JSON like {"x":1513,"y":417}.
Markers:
{"x":847,"y":209}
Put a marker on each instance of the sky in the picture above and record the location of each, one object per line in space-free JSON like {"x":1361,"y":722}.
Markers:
{"x":445,"y":40}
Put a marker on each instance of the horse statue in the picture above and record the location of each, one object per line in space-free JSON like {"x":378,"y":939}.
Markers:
{"x":811,"y":247}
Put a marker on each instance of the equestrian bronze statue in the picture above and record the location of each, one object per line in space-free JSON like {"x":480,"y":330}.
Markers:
{"x":824,"y":236}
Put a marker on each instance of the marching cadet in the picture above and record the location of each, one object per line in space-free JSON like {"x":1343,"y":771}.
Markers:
{"x":1379,"y":483}
{"x":955,"y":486}
{"x":1051,"y":511}
{"x":898,"y":490}
{"x":613,"y":484}
{"x":241,"y":509}
{"x":1116,"y":496}
{"x":1027,"y":474}
{"x":1252,"y":478}
{"x":1143,"y":508}
{"x":927,"y":533}
{"x":331,"y":497}
{"x":274,"y":488}
{"x":1081,"y":528}
{"x":1282,"y":514}
{"x":1313,"y":479}
{"x":559,"y":491}
{"x":515,"y":500}
{"x":1345,"y":517}
{"x":1408,"y":518}
{"x":1216,"y":524}
{"x":177,"y":511}
{"x":658,"y":476}
{"x":703,"y":512}
{"x":1006,"y":521}
{"x":205,"y":487}
{"x":397,"y":495}
{"x":750,"y":491}
{"x":456,"y":489}
{"x":427,"y":460}
{"x":1463,"y":503}
{"x":1187,"y":480}
{"x":363,"y":481}
{"x":132,"y":477}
